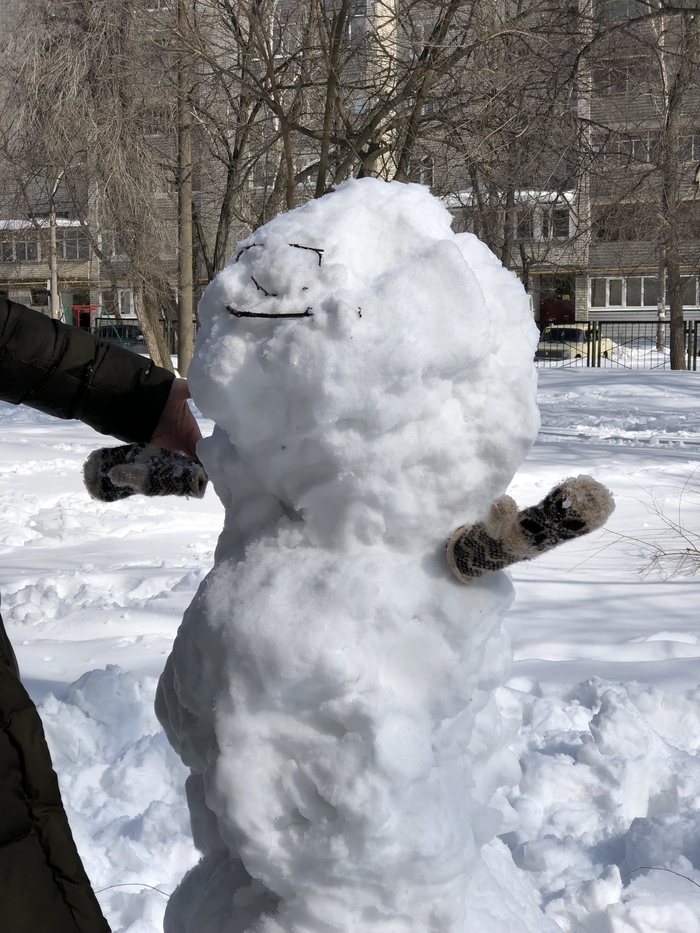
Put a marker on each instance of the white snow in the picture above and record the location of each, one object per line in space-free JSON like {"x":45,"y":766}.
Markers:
{"x":331,"y":686}
{"x":601,"y":705}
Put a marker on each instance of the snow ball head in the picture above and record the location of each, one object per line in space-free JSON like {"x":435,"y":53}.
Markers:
{"x":359,"y":336}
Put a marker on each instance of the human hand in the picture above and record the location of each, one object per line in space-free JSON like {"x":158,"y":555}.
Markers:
{"x":178,"y":428}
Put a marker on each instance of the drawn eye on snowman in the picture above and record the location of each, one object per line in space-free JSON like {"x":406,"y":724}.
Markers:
{"x":308,"y":312}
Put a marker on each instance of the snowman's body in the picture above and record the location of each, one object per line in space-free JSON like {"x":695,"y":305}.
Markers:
{"x":331,"y":684}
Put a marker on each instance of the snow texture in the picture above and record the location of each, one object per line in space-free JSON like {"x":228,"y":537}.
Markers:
{"x":332,"y":687}
{"x":602,"y":706}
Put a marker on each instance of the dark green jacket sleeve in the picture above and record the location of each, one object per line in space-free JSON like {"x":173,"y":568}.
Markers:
{"x":65,"y":371}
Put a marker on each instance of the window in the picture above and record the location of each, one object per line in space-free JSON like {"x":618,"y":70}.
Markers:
{"x":624,"y":223}
{"x":125,"y":300}
{"x":560,"y":223}
{"x":615,"y":292}
{"x":157,"y":120}
{"x":616,"y":150}
{"x":357,"y":20}
{"x":645,"y":149}
{"x":635,"y":291}
{"x":640,"y":150}
{"x":598,"y":293}
{"x":624,"y":75}
{"x":26,"y":247}
{"x":574,"y":98}
{"x":606,"y":148}
{"x":651,"y":291}
{"x":20,"y":246}
{"x":72,"y":244}
{"x":689,"y":284}
{"x":525,"y":228}
{"x":616,"y":10}
{"x":689,"y":149}
{"x":555,"y":223}
{"x":111,"y":246}
{"x":39,"y":297}
{"x":7,"y":252}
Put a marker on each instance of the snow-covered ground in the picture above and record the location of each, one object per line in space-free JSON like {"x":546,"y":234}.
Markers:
{"x":604,"y":695}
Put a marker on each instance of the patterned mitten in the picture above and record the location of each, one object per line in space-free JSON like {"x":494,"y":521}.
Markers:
{"x":117,"y":472}
{"x":506,"y":536}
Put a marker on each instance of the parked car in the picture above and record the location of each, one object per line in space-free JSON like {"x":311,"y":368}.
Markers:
{"x":572,"y":342}
{"x":125,"y":334}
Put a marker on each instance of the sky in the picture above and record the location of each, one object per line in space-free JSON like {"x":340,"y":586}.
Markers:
{"x":602,"y":692}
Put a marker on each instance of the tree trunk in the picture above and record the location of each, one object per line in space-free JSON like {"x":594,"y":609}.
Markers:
{"x":185,"y":330}
{"x":149,"y":320}
{"x":674,"y":286}
{"x":678,"y":83}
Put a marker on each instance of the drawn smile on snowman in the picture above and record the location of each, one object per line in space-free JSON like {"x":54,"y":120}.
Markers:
{"x":236,"y":313}
{"x":308,"y":312}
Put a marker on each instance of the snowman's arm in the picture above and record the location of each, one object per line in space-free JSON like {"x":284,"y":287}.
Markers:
{"x":506,"y":535}
{"x":112,"y":473}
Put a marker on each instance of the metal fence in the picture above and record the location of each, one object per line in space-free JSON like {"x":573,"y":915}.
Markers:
{"x":627,"y":344}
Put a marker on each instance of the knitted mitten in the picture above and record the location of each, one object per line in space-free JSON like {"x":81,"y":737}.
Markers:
{"x":117,"y":472}
{"x":573,"y":508}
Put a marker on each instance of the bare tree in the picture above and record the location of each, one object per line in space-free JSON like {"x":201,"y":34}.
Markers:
{"x":501,"y":106}
{"x":80,"y":110}
{"x":506,"y":130}
{"x":185,"y":263}
{"x":679,"y":59}
{"x":292,"y":98}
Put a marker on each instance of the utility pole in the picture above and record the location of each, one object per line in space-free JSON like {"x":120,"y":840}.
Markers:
{"x":661,"y":307}
{"x":54,"y":296}
{"x":185,"y":328}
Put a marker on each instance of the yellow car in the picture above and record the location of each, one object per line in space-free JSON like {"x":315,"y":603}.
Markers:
{"x":572,"y":342}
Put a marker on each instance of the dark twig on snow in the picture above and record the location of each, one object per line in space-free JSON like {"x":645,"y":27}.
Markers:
{"x":314,"y":249}
{"x":250,"y":246}
{"x":657,"y":868}
{"x":132,"y":884}
{"x":261,"y":289}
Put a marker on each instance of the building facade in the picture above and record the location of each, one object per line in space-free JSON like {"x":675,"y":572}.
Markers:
{"x":579,"y":171}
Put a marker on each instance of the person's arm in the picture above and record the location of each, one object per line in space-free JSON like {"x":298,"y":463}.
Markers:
{"x":177,"y":428}
{"x":66,"y":372}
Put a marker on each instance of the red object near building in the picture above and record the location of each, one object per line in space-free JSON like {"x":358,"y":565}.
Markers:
{"x":83,"y":316}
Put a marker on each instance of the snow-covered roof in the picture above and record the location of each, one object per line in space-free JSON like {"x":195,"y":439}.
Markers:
{"x":42,"y":223}
{"x":467,"y":197}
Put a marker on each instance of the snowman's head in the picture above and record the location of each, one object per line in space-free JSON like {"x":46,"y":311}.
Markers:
{"x":372,"y":369}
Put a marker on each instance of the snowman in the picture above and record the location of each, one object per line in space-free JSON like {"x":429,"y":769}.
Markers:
{"x":331,"y":687}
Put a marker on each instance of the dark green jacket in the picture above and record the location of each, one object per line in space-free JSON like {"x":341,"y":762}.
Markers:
{"x":68,"y":373}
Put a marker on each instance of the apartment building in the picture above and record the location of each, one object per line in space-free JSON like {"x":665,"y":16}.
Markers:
{"x":635,"y":211}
